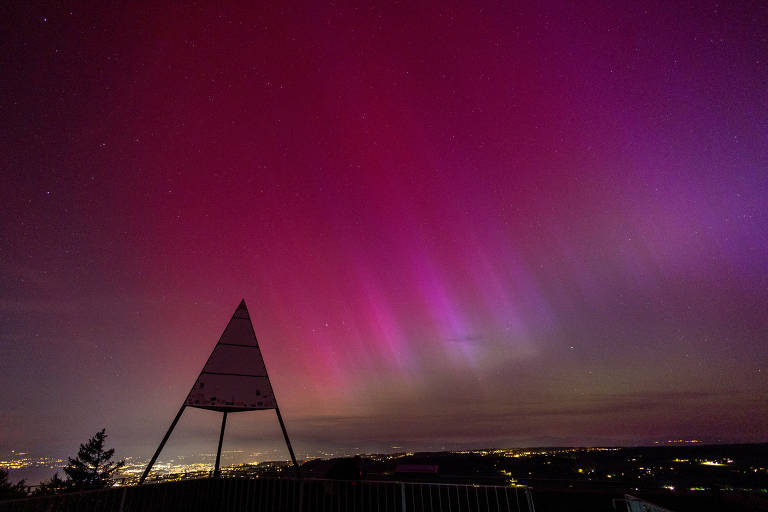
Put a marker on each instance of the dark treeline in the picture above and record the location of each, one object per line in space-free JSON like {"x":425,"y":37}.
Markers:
{"x":91,"y":468}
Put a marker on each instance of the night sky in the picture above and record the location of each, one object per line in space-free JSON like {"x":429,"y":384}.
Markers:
{"x":454,"y":225}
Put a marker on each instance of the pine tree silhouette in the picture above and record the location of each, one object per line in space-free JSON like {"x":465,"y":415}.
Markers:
{"x":9,"y":490}
{"x":53,"y":486}
{"x":92,"y":468}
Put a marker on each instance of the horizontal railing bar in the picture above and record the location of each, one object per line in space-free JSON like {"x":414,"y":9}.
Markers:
{"x":282,"y":493}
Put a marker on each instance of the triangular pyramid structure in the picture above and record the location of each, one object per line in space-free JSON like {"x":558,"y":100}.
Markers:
{"x":234,"y":379}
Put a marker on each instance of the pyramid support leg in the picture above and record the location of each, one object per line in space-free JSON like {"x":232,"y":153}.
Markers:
{"x":162,"y":443}
{"x":287,"y":441}
{"x":216,"y":470}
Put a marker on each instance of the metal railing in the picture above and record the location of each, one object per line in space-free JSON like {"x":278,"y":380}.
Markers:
{"x":285,"y":495}
{"x":634,"y":504}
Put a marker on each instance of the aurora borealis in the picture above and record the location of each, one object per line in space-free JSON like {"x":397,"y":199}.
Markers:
{"x":460,"y":225}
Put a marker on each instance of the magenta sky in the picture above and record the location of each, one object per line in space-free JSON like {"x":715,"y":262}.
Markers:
{"x":456,"y":225}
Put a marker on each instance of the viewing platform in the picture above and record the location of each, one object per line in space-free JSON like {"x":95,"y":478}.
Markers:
{"x":284,"y":495}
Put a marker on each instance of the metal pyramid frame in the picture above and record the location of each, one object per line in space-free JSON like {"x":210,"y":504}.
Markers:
{"x":234,"y":379}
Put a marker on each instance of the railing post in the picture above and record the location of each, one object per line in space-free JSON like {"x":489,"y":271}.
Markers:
{"x":301,"y":495}
{"x":122,"y":499}
{"x":529,"y":497}
{"x":402,"y":494}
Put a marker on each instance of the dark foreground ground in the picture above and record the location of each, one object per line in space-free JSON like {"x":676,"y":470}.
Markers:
{"x":698,"y":478}
{"x":328,"y":495}
{"x":689,"y":478}
{"x":605,"y":501}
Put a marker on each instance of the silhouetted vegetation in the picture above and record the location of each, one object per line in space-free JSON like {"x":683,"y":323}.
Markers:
{"x":93,"y":467}
{"x":53,"y":486}
{"x":8,"y":490}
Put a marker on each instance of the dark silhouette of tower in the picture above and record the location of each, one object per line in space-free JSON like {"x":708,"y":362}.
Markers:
{"x":234,"y":379}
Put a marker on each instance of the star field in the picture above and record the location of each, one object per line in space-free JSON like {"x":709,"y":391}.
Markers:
{"x":454,"y":224}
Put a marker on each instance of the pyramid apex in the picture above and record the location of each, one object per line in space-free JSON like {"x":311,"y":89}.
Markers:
{"x":242,"y":305}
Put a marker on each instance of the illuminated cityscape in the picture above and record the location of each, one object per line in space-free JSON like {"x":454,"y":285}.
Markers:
{"x":680,"y":468}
